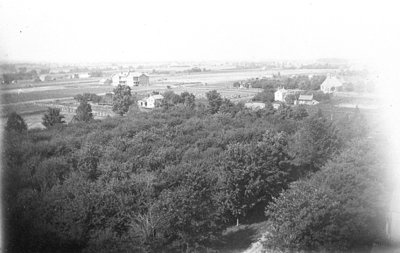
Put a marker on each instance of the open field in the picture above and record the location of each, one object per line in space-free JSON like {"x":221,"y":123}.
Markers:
{"x":23,"y":92}
{"x":31,"y":84}
{"x":23,"y":97}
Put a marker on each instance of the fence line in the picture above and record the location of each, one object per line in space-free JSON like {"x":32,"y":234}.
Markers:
{"x":72,"y":109}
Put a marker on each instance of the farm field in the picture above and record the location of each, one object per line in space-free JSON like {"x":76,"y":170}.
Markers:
{"x":21,"y":97}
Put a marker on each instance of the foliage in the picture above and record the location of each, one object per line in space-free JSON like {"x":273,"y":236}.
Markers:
{"x":83,"y":112}
{"x":255,"y":173}
{"x":52,"y":117}
{"x":321,"y":139}
{"x":340,"y":207}
{"x":15,"y":123}
{"x":157,"y":180}
{"x":214,"y":101}
{"x":266,"y":96}
{"x":88,"y":97}
{"x":122,"y":99}
{"x":21,"y":75}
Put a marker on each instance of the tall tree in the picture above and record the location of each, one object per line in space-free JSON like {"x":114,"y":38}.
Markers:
{"x":83,"y":112}
{"x":52,"y":117}
{"x":339,"y":208}
{"x":122,"y":99}
{"x":214,"y":101}
{"x":255,"y":173}
{"x":320,"y":137}
{"x":15,"y":123}
{"x":188,"y":99}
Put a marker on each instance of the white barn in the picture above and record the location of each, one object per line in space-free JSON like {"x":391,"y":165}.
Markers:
{"x":150,"y":102}
{"x":131,"y":79}
{"x":281,"y":94}
{"x":330,"y":85}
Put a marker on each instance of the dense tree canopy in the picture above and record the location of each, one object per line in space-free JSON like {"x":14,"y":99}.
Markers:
{"x":173,"y":178}
{"x":122,"y":99}
{"x":15,"y":123}
{"x":83,"y":112}
{"x":340,"y":207}
{"x":52,"y":117}
{"x":214,"y":101}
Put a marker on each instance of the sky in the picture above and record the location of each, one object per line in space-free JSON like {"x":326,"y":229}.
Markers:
{"x":137,"y":31}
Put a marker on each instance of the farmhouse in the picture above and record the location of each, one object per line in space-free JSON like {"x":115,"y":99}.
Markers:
{"x":79,"y":75}
{"x":131,"y":79}
{"x":255,"y":105}
{"x":280,"y":94}
{"x":306,"y":100}
{"x":151,"y":102}
{"x":44,"y":78}
{"x":330,"y":85}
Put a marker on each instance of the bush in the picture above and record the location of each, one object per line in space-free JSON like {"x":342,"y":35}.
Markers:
{"x":339,"y":208}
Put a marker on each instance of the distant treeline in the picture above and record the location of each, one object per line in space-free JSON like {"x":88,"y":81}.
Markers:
{"x":301,"y":82}
{"x":20,"y":75}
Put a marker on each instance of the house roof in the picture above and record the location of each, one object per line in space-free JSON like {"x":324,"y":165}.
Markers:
{"x":306,"y":97}
{"x":331,"y":82}
{"x":157,"y":96}
{"x":136,"y":74}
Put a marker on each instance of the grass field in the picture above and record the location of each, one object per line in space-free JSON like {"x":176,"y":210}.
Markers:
{"x":20,"y":97}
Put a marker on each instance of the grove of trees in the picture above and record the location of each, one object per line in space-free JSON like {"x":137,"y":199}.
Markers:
{"x":172,"y":179}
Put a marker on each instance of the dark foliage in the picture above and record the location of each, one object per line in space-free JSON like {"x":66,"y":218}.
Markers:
{"x":15,"y":123}
{"x":52,"y":117}
{"x":168,"y":179}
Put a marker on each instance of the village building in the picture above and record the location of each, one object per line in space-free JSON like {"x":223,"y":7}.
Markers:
{"x":276,"y":105}
{"x":255,"y":105}
{"x":131,"y":79}
{"x":83,"y":75}
{"x":45,"y":78}
{"x":306,"y":100}
{"x":331,"y":84}
{"x":150,"y":102}
{"x":79,"y":75}
{"x":281,"y":94}
{"x":105,"y":81}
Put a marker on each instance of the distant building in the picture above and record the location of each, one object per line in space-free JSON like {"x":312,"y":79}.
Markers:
{"x":151,"y":102}
{"x":276,"y":105}
{"x":131,"y":79}
{"x":45,"y":78}
{"x":306,"y":100}
{"x":105,"y":81}
{"x":331,"y":84}
{"x":255,"y":105}
{"x":280,"y":94}
{"x":83,"y":75}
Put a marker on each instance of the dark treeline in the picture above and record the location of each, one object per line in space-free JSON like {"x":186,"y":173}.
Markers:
{"x":22,"y":74}
{"x":173,"y":178}
{"x":301,"y":82}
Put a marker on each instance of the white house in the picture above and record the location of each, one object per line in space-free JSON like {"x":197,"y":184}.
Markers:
{"x":306,"y":100}
{"x":83,"y":75}
{"x":281,"y":94}
{"x":131,"y":79}
{"x":330,"y":85}
{"x":44,"y":78}
{"x":255,"y":105}
{"x":150,"y":102}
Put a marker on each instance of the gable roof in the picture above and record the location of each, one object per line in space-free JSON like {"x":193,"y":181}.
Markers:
{"x":331,"y":82}
{"x":306,"y":97}
{"x":157,"y":96}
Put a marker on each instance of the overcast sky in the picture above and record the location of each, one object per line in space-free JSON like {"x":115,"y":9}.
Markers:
{"x":90,"y":31}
